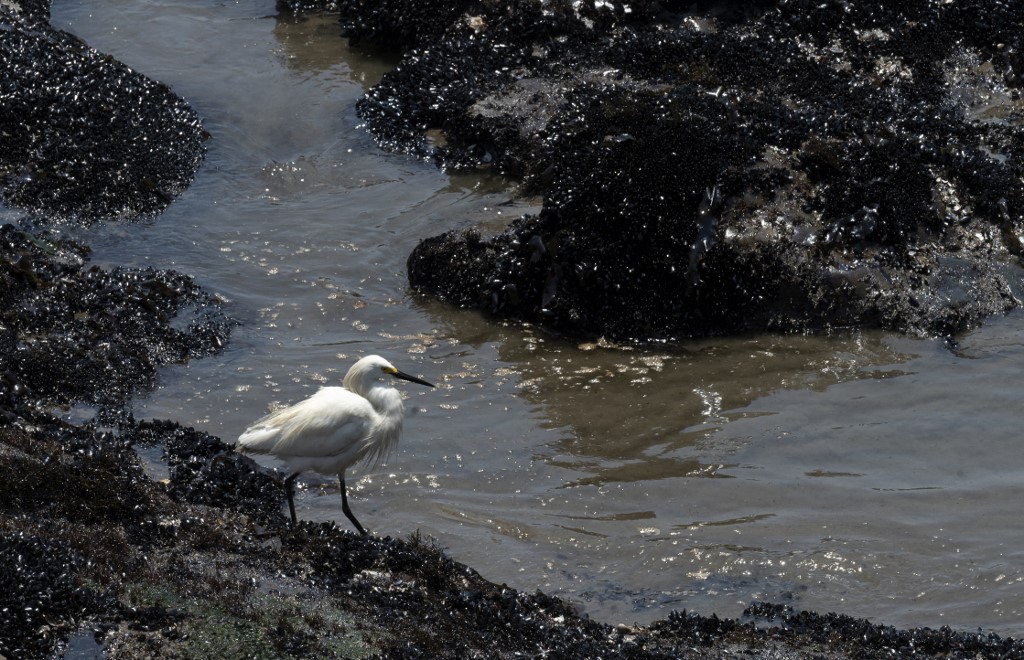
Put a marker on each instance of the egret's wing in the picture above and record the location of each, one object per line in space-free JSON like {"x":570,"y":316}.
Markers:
{"x":258,"y":439}
{"x":331,"y":422}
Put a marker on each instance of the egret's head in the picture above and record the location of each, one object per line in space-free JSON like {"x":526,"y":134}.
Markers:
{"x":374,"y":367}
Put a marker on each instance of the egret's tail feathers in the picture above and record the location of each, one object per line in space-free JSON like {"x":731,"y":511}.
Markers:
{"x":258,"y":439}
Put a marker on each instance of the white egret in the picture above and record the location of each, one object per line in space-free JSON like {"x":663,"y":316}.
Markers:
{"x":335,"y":428}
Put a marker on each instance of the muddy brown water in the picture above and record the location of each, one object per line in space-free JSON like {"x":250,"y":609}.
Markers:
{"x":865,"y":473}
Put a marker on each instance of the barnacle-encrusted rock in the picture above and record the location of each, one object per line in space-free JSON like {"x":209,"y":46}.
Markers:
{"x":82,"y":136}
{"x":774,"y":166}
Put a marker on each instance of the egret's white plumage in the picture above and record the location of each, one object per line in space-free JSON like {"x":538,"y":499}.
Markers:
{"x":335,"y":428}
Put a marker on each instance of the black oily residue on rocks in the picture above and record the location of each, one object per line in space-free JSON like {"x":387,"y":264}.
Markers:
{"x":866,"y":156}
{"x":82,"y":136}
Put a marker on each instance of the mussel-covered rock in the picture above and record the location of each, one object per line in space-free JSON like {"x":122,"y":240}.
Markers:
{"x":72,"y":332}
{"x":82,"y":136}
{"x":861,"y":160}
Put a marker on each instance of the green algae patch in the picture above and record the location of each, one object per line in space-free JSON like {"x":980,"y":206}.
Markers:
{"x":265,"y":625}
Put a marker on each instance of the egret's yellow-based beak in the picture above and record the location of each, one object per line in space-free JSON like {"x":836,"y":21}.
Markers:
{"x":406,"y":377}
{"x":412,"y":379}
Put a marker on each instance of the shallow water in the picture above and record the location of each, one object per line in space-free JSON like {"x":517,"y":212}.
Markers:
{"x":865,"y":473}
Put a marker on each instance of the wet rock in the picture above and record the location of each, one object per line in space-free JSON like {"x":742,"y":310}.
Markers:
{"x":864,"y":159}
{"x":72,"y":332}
{"x":42,"y":597}
{"x":186,"y":569}
{"x":400,"y":24}
{"x":77,"y":511}
{"x":45,"y":463}
{"x":204,"y":470}
{"x":860,"y":638}
{"x":82,"y":136}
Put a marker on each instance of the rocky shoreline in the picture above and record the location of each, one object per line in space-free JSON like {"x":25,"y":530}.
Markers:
{"x":99,"y":557}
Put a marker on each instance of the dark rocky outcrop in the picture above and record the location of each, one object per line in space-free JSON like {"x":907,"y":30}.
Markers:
{"x":74,"y":333}
{"x":82,"y":136}
{"x":718,"y":168}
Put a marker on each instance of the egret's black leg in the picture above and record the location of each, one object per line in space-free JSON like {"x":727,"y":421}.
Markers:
{"x":289,"y":486}
{"x":344,"y":506}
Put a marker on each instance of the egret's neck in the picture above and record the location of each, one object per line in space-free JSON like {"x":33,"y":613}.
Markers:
{"x":387,"y":401}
